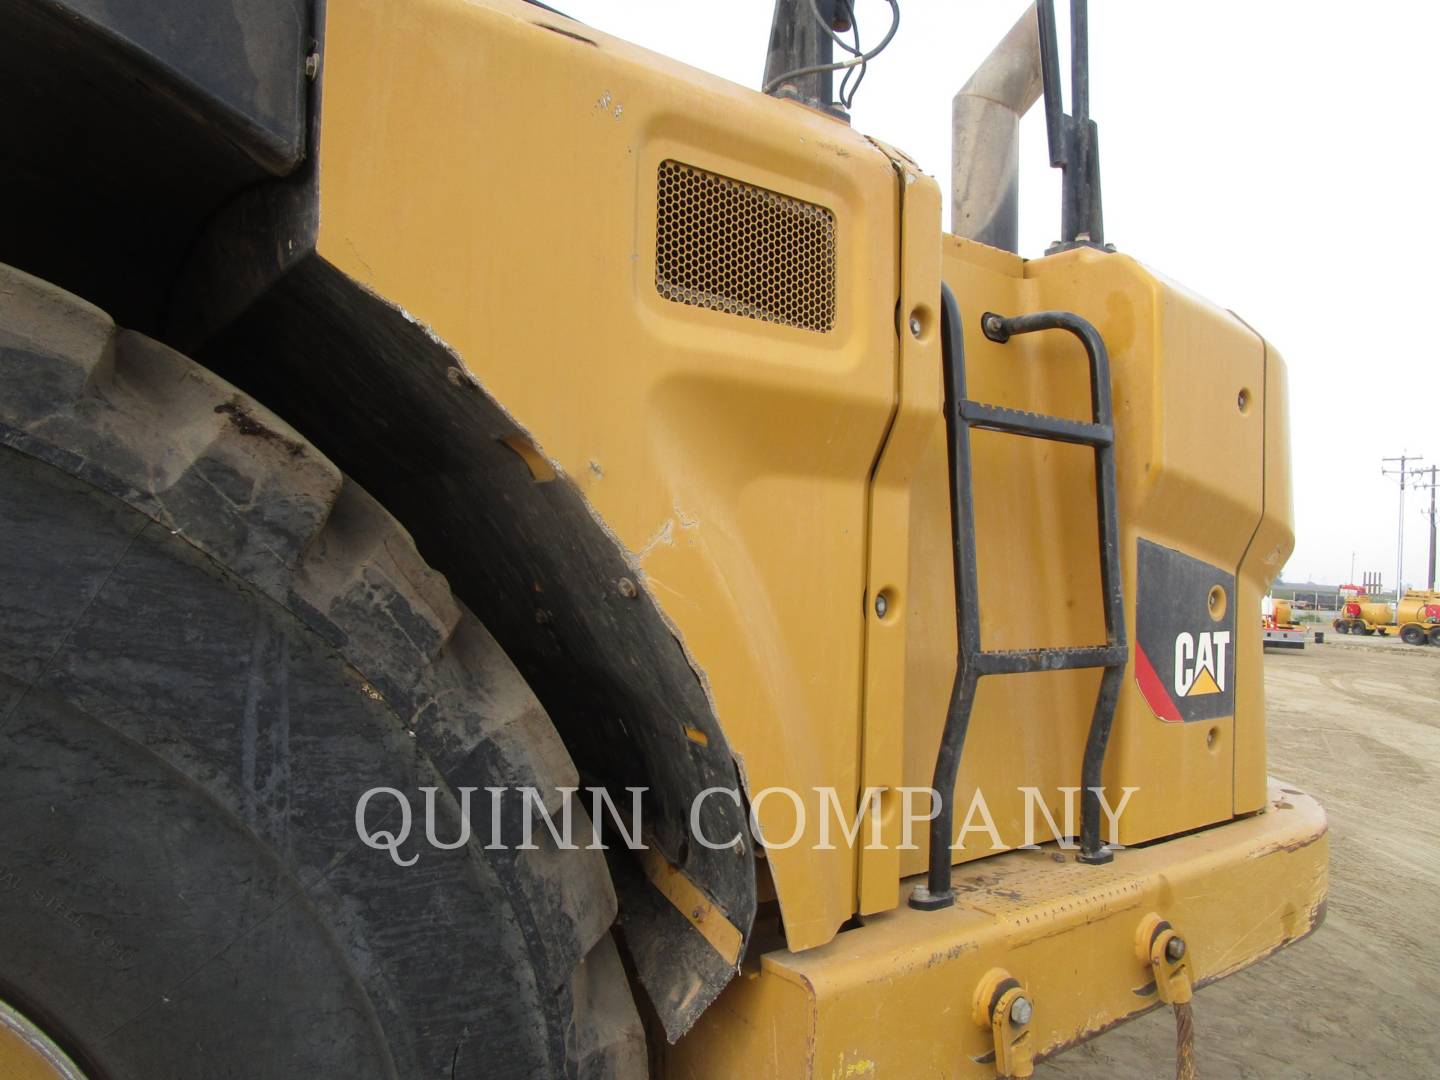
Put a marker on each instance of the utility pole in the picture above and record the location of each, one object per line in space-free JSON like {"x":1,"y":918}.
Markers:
{"x":1433,"y":470}
{"x":1402,"y":473}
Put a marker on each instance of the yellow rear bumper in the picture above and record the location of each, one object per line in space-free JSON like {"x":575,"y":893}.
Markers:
{"x":894,"y":997}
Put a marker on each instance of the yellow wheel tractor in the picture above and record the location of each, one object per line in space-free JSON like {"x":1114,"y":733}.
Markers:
{"x":509,"y":553}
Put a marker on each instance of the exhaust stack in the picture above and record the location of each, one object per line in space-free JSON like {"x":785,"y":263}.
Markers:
{"x":985,"y":159}
{"x":985,"y":128}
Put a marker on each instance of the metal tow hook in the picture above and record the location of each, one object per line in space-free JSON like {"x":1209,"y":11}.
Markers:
{"x":1165,"y":952}
{"x":1003,"y":1006}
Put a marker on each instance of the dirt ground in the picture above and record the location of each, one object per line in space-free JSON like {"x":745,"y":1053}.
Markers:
{"x":1355,"y":722}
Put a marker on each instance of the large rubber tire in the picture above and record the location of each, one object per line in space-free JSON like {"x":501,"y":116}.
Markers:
{"x":211,"y":644}
{"x":1413,"y":635}
{"x":1341,"y":626}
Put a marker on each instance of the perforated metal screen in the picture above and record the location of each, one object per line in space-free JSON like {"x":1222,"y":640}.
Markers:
{"x":742,"y":249}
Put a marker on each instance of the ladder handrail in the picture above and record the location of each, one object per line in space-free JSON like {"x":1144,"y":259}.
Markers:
{"x":972,"y":661}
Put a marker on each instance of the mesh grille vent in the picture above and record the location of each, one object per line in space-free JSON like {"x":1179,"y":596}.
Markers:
{"x":734,"y":247}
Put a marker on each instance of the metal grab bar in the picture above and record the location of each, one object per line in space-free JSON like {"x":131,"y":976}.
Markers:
{"x":972,"y":661}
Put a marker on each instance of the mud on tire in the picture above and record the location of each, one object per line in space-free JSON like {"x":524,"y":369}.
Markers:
{"x":211,"y":643}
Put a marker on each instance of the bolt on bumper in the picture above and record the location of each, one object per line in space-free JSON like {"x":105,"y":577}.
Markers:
{"x":895,"y":997}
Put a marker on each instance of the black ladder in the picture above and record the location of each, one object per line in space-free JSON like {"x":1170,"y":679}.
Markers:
{"x":961,"y":415}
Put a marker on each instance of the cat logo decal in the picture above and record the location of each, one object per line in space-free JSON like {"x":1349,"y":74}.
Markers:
{"x":1184,"y":654}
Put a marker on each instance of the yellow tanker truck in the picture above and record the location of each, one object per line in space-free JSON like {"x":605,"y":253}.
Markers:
{"x":1416,"y":618}
{"x":509,"y":558}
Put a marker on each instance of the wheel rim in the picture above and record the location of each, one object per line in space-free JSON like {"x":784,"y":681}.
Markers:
{"x":27,"y":1053}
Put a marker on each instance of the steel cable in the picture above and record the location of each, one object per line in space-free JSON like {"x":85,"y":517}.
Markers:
{"x":1185,"y":1043}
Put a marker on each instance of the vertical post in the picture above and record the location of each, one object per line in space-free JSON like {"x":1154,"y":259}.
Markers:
{"x":1400,"y":542}
{"x":1086,"y":224}
{"x":1074,"y":138}
{"x":797,"y":40}
{"x":1401,"y":472}
{"x":1432,"y":573}
{"x":1080,"y":60}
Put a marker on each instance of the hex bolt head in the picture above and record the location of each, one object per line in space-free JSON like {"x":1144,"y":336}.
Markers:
{"x":1175,"y":949}
{"x":915,"y":326}
{"x":1020,"y":1011}
{"x":882,"y":605}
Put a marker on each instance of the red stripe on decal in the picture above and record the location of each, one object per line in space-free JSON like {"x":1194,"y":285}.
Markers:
{"x":1154,"y":690}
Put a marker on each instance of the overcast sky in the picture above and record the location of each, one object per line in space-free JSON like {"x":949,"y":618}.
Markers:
{"x":1275,"y":157}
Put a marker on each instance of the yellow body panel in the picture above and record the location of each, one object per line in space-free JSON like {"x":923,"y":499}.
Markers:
{"x":1271,"y":545}
{"x":496,"y":179}
{"x":894,"y":998}
{"x":492,"y":170}
{"x":1190,"y":470}
{"x":902,"y":636}
{"x":1413,"y":607}
{"x":1378,"y":613}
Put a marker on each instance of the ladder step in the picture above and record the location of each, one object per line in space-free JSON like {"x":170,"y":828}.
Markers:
{"x":1017,"y":661}
{"x":1035,"y":425}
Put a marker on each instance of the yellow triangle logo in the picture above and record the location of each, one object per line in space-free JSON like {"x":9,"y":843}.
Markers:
{"x":1204,"y":684}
